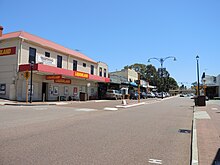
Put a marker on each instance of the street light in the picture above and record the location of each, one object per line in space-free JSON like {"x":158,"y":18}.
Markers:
{"x":197,"y":59}
{"x":161,"y":60}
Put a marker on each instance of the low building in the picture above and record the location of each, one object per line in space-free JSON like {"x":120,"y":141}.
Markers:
{"x":212,"y":86}
{"x":56,"y":70}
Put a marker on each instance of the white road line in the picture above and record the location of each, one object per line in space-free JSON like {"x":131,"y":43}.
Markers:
{"x":110,"y":109}
{"x":86,"y":109}
{"x":155,"y":161}
{"x":214,"y":108}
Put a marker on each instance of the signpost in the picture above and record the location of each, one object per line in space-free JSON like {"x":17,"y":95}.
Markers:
{"x":26,"y":75}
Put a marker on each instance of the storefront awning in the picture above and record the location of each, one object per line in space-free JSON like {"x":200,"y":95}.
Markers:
{"x":48,"y":70}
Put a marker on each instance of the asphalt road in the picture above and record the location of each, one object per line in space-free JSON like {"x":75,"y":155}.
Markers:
{"x":146,"y":134}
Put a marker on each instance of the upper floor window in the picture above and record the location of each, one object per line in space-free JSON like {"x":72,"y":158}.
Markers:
{"x":92,"y":69}
{"x":47,"y":54}
{"x":75,"y":65}
{"x":59,"y":61}
{"x":32,"y":55}
{"x":105,"y":73}
{"x":84,"y":64}
{"x":100,"y":72}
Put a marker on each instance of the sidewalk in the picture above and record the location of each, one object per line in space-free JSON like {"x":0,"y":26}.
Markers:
{"x":207,"y":123}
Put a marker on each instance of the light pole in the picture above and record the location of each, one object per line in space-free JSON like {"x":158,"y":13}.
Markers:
{"x":197,"y":59}
{"x":161,"y":60}
{"x":32,"y":64}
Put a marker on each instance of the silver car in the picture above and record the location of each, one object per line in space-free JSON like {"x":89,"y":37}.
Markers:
{"x":113,"y":94}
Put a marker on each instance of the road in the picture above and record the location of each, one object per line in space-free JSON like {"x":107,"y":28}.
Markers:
{"x":147,"y":134}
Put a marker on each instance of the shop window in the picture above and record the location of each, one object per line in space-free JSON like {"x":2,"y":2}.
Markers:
{"x":47,"y":54}
{"x":84,"y":64}
{"x":105,"y":73}
{"x":59,"y":61}
{"x":100,"y":72}
{"x":74,"y":65}
{"x":32,"y":55}
{"x":92,"y":69}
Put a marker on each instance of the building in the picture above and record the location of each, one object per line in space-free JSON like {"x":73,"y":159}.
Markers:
{"x":212,"y":86}
{"x":56,"y":70}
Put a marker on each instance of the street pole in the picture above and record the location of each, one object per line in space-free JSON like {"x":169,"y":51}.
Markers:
{"x":139,"y":87}
{"x":161,"y":60}
{"x":31,"y":81}
{"x":197,"y":59}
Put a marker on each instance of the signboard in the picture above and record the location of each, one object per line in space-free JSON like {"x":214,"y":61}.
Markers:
{"x":7,"y":51}
{"x":75,"y":91}
{"x":45,"y":60}
{"x":81,"y":74}
{"x":63,"y":81}
{"x":26,"y":75}
{"x":53,"y":77}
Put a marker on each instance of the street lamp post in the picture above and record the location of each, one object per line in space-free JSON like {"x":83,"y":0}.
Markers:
{"x":32,"y":64}
{"x":161,"y":60}
{"x":197,"y":59}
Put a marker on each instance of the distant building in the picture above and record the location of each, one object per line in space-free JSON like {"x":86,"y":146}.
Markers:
{"x":212,"y":84}
{"x":57,"y":71}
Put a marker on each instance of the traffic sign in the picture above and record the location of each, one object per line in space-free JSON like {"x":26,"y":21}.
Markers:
{"x":26,"y":75}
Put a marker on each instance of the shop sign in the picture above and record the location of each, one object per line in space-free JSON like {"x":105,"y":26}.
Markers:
{"x":53,"y":77}
{"x":63,"y":81}
{"x":7,"y":51}
{"x":45,"y":60}
{"x":81,"y":74}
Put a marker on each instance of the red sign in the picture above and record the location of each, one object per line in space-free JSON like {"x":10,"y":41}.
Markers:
{"x":53,"y":77}
{"x":81,"y":74}
{"x":63,"y":81}
{"x":7,"y":51}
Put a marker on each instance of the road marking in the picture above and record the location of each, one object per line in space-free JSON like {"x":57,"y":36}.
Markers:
{"x":86,"y":109}
{"x":155,"y":161}
{"x":214,"y":108}
{"x":110,"y":109}
{"x":40,"y":108}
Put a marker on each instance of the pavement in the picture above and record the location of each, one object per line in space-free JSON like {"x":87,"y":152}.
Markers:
{"x":206,"y":134}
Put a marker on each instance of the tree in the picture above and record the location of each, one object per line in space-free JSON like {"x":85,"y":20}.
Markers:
{"x":149,"y":73}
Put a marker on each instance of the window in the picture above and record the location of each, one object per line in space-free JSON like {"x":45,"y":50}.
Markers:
{"x":32,"y":55}
{"x":59,"y":61}
{"x":47,"y":54}
{"x":92,"y":69}
{"x":75,"y":65}
{"x":84,"y":64}
{"x":105,"y":73}
{"x":100,"y":72}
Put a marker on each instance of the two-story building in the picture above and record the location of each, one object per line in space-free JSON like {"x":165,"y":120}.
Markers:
{"x":56,"y":70}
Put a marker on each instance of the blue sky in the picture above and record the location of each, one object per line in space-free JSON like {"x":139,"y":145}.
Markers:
{"x":124,"y":32}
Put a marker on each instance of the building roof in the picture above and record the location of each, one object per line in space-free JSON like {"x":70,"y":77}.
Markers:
{"x":46,"y":43}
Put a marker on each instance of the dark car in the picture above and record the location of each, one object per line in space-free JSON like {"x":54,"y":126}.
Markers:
{"x":143,"y":95}
{"x":134,"y":95}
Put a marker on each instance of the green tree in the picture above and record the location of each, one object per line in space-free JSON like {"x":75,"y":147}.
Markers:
{"x":149,"y":73}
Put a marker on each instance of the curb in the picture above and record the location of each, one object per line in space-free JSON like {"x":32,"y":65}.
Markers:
{"x":194,"y":149}
{"x":28,"y":104}
{"x":128,"y":106}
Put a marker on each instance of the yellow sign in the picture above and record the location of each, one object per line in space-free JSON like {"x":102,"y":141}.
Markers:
{"x":26,"y":75}
{"x":81,"y":74}
{"x":53,"y":77}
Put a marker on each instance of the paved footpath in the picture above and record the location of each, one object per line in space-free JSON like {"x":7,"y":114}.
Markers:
{"x":207,"y":121}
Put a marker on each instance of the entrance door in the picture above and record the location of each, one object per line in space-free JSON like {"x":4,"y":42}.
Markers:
{"x":44,"y":91}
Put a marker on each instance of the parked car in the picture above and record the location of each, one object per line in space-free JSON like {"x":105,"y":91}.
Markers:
{"x":161,"y":94}
{"x":113,"y":94}
{"x":143,"y":95}
{"x":134,"y":95}
{"x":150,"y":95}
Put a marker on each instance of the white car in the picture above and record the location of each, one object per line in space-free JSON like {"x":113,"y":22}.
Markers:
{"x":113,"y":94}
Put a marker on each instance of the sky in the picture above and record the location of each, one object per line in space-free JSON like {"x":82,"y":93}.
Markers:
{"x":124,"y":32}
